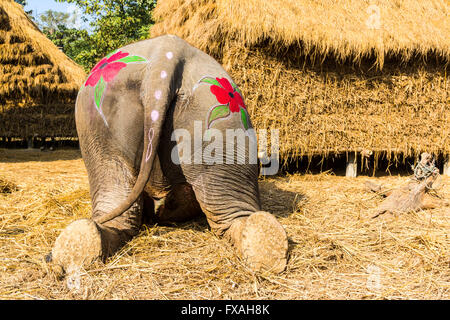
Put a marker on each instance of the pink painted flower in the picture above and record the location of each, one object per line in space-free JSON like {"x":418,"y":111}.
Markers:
{"x":225,"y":93}
{"x":107,"y":68}
{"x":230,"y":98}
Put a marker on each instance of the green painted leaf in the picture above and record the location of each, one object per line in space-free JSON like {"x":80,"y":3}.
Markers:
{"x":130,"y":59}
{"x":235,"y":87}
{"x":98,"y":93}
{"x":244,"y":118}
{"x":220,"y":111}
{"x":210,"y":81}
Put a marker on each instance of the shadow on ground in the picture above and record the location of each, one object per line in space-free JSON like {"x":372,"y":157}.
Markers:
{"x":28,"y":155}
{"x":281,"y":203}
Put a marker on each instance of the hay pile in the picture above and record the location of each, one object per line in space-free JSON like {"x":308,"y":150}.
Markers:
{"x":317,"y":72}
{"x":337,"y":251}
{"x":7,"y":186}
{"x":38,"y":82}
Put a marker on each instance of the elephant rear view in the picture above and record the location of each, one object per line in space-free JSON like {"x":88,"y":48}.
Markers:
{"x":157,"y":122}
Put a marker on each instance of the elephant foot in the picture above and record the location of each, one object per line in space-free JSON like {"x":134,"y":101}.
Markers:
{"x":262,"y":242}
{"x":77,"y":246}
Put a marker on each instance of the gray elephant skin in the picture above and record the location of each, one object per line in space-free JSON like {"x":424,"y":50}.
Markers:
{"x":126,"y":113}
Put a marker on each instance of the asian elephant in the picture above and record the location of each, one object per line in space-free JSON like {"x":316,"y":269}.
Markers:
{"x":127,"y":113}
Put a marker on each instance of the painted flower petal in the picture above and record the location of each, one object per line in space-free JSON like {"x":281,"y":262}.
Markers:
{"x":239,"y":99}
{"x":111,"y":70}
{"x":117,"y":56}
{"x":236,"y":102}
{"x":225,"y":84}
{"x":234,"y":106}
{"x":93,"y":78}
{"x":103,"y":61}
{"x":221,"y":94}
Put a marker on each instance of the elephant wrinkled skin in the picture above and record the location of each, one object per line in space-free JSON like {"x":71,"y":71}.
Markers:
{"x":125,"y":114}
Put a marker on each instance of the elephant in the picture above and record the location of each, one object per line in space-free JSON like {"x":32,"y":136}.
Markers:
{"x":126,"y":114}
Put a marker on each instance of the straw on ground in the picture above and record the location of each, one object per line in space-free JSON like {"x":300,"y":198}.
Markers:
{"x":336,"y":250}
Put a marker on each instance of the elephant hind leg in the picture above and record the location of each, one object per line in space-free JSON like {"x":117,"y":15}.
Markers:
{"x":110,"y":185}
{"x":261,"y":241}
{"x":85,"y":240}
{"x":233,"y":211}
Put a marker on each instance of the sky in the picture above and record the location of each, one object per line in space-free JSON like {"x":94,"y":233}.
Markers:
{"x":40,"y":6}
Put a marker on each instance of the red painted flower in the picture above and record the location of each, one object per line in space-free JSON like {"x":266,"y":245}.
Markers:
{"x":226,"y":93}
{"x":108,"y":68}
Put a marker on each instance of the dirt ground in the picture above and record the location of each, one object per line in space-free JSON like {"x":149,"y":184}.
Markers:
{"x":337,"y":251}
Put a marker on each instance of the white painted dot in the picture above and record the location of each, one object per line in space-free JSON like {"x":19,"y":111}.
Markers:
{"x":163,"y":74}
{"x":154,"y":115}
{"x":158,"y":94}
{"x":169,"y":55}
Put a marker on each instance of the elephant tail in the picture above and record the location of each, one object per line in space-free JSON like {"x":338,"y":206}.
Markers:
{"x":158,"y":89}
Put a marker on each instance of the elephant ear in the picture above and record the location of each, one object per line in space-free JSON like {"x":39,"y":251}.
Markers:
{"x":218,"y":112}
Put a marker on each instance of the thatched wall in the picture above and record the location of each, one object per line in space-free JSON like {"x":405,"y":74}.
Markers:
{"x":38,"y":83}
{"x":314,"y":70}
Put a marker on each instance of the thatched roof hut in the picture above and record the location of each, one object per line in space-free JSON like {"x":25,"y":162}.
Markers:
{"x":38,"y":82}
{"x":333,"y":76}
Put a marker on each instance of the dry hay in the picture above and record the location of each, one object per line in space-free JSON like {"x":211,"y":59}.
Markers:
{"x":37,"y":79}
{"x":313,"y":70}
{"x":330,"y":108}
{"x":336,"y":250}
{"x":406,"y":28}
{"x":7,"y":186}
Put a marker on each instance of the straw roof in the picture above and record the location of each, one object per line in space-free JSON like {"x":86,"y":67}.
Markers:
{"x":38,"y":82}
{"x":329,"y":74}
{"x":348,"y":29}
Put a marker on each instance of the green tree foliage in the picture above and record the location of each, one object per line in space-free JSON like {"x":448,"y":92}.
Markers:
{"x":74,"y":43}
{"x":51,"y":21}
{"x":60,"y":28}
{"x":115,"y":23}
{"x":24,"y":3}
